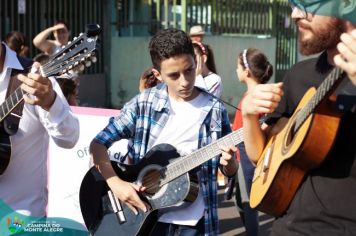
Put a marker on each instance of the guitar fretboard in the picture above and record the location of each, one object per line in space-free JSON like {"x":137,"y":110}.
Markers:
{"x":11,"y":102}
{"x":189,"y":162}
{"x":326,"y":86}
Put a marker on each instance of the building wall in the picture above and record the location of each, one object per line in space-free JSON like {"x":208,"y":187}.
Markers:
{"x":130,"y":57}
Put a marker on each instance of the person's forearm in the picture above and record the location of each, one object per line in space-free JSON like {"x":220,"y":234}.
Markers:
{"x":254,"y":137}
{"x":101,"y":160}
{"x":42,"y":36}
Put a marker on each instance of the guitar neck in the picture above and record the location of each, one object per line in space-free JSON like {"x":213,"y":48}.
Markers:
{"x":10,"y":103}
{"x":189,"y":162}
{"x":327,"y":86}
{"x":14,"y":99}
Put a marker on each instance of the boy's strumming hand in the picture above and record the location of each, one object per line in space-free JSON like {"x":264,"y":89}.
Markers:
{"x":228,"y":160}
{"x":127,"y":193}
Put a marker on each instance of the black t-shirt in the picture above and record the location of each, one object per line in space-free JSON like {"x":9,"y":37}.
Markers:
{"x":325,"y":203}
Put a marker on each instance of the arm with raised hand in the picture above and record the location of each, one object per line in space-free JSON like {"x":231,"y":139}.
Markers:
{"x":263,"y":99}
{"x":42,"y":43}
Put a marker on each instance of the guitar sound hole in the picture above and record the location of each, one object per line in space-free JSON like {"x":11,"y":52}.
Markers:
{"x":290,"y":135}
{"x":151,"y":181}
{"x":289,"y":139}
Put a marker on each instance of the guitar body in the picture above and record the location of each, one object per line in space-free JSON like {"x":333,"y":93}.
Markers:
{"x":5,"y":150}
{"x":289,"y":155}
{"x":96,"y":207}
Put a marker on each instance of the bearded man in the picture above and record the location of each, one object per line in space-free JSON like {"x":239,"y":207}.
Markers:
{"x":323,"y":201}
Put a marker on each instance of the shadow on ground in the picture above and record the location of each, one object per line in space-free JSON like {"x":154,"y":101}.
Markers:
{"x":230,"y":221}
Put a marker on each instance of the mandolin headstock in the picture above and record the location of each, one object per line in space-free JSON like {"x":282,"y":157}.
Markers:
{"x":76,"y":54}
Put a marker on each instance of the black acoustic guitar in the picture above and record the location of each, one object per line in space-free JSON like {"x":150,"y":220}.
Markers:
{"x":80,"y":50}
{"x":169,"y":181}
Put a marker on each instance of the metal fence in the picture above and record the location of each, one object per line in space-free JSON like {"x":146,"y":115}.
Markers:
{"x":32,"y":16}
{"x":218,"y":17}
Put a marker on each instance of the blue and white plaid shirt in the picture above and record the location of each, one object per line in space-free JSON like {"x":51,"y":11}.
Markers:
{"x":142,"y":119}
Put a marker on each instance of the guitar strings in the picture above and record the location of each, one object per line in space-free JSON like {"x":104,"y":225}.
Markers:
{"x":151,"y":178}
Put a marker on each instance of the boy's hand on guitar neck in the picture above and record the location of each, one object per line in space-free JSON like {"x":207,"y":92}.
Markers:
{"x":39,"y":87}
{"x":228,"y":160}
{"x":263,"y":99}
{"x":127,"y":193}
{"x":346,"y":59}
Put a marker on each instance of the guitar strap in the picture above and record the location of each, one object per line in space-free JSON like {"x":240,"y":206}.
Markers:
{"x":11,"y":122}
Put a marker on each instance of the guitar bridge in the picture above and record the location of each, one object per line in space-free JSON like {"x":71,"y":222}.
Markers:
{"x":266,"y":158}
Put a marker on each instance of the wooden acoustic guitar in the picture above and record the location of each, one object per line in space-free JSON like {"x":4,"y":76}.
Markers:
{"x":300,"y":146}
{"x":164,"y":174}
{"x":80,"y":50}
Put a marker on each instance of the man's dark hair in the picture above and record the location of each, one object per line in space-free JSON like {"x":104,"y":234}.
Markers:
{"x":169,"y":43}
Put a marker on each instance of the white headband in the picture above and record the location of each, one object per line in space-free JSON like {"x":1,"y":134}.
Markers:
{"x":244,"y":59}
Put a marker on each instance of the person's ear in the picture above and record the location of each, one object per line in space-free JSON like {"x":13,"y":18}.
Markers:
{"x":157,"y":74}
{"x":247,"y":73}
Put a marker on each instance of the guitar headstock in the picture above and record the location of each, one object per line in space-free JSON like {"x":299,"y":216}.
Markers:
{"x":76,"y":53}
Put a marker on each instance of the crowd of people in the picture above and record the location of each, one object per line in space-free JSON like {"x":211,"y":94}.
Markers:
{"x":180,"y":105}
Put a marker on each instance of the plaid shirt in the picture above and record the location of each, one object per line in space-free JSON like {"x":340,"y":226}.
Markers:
{"x":141,"y":120}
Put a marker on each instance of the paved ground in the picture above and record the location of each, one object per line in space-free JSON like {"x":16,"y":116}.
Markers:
{"x":230,"y":222}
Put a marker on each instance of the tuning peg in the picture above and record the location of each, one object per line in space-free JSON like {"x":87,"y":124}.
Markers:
{"x":81,"y":67}
{"x":93,"y":59}
{"x":87,"y":63}
{"x":93,"y":30}
{"x":74,"y":38}
{"x":80,"y":34}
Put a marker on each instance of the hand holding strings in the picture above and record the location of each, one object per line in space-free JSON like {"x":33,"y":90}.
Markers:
{"x":39,"y":89}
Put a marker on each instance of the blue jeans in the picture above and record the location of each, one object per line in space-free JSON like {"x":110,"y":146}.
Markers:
{"x":167,"y":229}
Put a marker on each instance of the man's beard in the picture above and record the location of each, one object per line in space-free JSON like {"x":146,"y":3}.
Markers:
{"x":322,"y":39}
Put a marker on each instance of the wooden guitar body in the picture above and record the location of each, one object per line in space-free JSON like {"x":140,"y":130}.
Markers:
{"x":289,"y":155}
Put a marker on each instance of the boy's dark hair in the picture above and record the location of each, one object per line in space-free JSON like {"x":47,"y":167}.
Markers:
{"x":169,"y":43}
{"x":42,"y":58}
{"x":68,"y":87}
